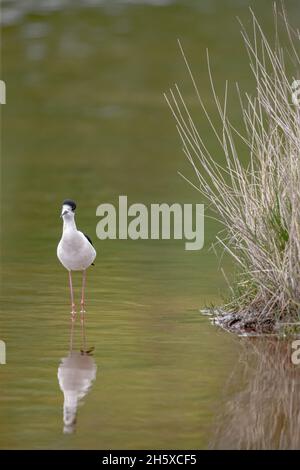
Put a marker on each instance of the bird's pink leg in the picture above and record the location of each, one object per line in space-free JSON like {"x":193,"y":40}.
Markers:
{"x":71,"y":337}
{"x":73,"y":312}
{"x":82,"y":311}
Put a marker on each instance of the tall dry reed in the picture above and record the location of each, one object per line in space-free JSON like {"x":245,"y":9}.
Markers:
{"x":258,"y":202}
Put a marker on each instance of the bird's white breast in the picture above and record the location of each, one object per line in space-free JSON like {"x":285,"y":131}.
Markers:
{"x":74,"y":251}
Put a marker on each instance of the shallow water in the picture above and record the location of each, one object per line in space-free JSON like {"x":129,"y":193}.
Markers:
{"x":85,"y":118}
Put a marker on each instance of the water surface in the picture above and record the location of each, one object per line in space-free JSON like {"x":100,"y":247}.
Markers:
{"x":86,"y":118}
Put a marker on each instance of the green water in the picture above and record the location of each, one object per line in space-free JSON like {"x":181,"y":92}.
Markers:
{"x":86,"y":119}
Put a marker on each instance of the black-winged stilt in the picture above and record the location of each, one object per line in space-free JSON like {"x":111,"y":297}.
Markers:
{"x":75,"y":251}
{"x":76,"y":373}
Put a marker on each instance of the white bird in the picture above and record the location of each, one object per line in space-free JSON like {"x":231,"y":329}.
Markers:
{"x":75,"y":251}
{"x":76,"y":373}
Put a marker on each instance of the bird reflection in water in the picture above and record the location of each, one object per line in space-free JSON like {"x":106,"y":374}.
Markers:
{"x":265,"y":412}
{"x":76,"y":374}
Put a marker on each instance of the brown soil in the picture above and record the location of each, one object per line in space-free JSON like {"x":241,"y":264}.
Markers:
{"x":246,"y":323}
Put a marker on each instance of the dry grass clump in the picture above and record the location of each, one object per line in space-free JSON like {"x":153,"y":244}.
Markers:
{"x":258,"y":203}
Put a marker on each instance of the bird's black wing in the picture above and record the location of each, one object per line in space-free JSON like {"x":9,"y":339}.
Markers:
{"x":88,"y":238}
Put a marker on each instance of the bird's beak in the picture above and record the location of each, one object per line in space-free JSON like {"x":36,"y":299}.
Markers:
{"x":64,"y":210}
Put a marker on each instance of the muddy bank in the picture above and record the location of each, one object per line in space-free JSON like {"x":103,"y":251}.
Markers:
{"x":250,"y":323}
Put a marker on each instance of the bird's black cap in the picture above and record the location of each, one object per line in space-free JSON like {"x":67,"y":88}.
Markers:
{"x":70,"y":203}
